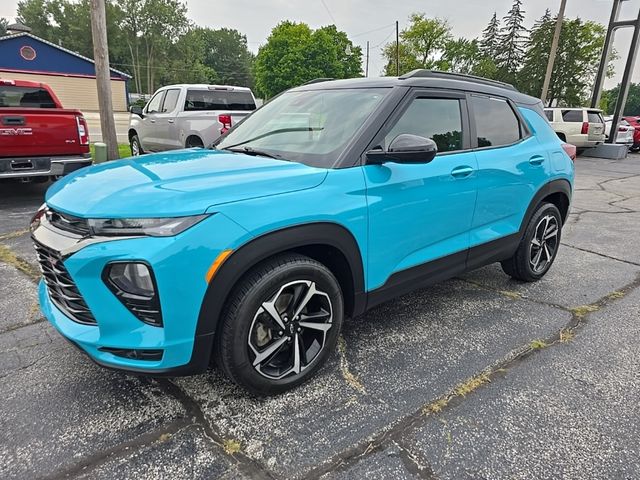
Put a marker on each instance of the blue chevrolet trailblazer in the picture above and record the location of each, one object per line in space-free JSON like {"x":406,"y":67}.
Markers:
{"x":332,"y":198}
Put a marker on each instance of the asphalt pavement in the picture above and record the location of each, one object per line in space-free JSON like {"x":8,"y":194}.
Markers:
{"x":476,"y":377}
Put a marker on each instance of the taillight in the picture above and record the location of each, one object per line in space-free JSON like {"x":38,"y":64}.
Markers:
{"x":585,"y":128}
{"x":83,"y":130}
{"x":570,"y":150}
{"x":225,"y":121}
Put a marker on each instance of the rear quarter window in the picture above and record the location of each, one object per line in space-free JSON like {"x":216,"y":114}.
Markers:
{"x":202,"y":100}
{"x":595,"y":117}
{"x":28,"y":97}
{"x":572,"y":116}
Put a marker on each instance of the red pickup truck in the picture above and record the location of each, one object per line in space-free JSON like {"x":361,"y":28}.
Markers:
{"x":38,"y":137}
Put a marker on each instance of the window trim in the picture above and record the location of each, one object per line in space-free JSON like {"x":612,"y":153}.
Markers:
{"x":525,"y":133}
{"x":155,"y":112}
{"x":165,"y":99}
{"x":402,"y":107}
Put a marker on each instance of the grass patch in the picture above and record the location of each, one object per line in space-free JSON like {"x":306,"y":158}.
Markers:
{"x":468,"y":386}
{"x":615,"y":295}
{"x":583,"y":310}
{"x":511,"y":294}
{"x":566,"y":335}
{"x":538,"y":344}
{"x":231,"y":446}
{"x":7,"y":256}
{"x":9,"y":236}
{"x":349,"y":377}
{"x":436,"y":406}
{"x":123,"y":150}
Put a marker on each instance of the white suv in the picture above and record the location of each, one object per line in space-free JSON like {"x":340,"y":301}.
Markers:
{"x":582,"y":127}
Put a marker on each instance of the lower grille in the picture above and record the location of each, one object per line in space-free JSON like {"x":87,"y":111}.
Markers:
{"x":62,"y":289}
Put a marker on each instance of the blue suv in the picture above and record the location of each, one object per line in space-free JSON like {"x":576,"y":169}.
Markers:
{"x":332,"y":198}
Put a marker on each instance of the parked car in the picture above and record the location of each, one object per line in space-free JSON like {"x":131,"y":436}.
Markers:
{"x":625,"y":131}
{"x":330,"y":199}
{"x":635,"y":123}
{"x":186,"y":116}
{"x":582,"y":127}
{"x":39,"y":138}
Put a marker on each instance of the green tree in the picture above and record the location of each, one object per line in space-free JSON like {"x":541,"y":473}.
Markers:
{"x":490,"y":40}
{"x":510,"y":53}
{"x":226,"y":52}
{"x":610,"y":97}
{"x":577,"y":59}
{"x":421,"y":44}
{"x":3,"y":26}
{"x":295,"y":54}
{"x":461,"y":56}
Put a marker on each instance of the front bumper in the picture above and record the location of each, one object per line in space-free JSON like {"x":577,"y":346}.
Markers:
{"x":42,"y":166}
{"x":180,"y":265}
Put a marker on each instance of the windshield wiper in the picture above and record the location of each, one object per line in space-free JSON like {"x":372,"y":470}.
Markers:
{"x":274,"y":132}
{"x":252,"y":151}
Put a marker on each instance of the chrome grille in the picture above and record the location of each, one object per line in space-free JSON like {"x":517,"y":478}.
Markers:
{"x":68,"y":223}
{"x":62,"y":289}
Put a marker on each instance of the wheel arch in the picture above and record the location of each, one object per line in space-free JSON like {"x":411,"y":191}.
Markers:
{"x":193,"y":136}
{"x":557,"y":192}
{"x":329,"y":243}
{"x":131,"y":133}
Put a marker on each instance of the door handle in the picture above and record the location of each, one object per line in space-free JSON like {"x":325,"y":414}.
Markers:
{"x":151,"y":120}
{"x":461,"y":172}
{"x":171,"y":120}
{"x":536,"y":160}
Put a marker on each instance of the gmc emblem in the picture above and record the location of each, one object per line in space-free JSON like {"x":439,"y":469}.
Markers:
{"x":10,"y":132}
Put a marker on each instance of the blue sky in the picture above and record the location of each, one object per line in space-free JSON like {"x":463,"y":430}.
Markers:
{"x":373,"y":20}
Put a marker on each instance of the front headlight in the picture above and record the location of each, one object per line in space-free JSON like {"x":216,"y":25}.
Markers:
{"x":154,"y":227}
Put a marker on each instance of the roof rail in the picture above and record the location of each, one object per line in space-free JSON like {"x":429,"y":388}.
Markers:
{"x":423,"y":73}
{"x":318,"y":80}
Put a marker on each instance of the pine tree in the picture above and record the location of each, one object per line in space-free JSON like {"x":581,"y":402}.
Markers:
{"x":490,"y":40}
{"x":534,"y":66}
{"x":512,"y":42}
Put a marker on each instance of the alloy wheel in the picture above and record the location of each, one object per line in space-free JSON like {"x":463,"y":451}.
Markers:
{"x":135,"y":149}
{"x":543,"y":244}
{"x":289,"y":330}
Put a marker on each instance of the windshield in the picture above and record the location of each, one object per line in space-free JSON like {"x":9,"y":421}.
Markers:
{"x":311,"y":127}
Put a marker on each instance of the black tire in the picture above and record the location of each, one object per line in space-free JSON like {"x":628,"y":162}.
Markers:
{"x":194,"y":142}
{"x":136,"y":146}
{"x":245,"y":322}
{"x":523,"y":265}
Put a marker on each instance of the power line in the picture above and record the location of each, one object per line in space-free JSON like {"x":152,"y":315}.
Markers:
{"x":329,"y":12}
{"x":374,"y":30}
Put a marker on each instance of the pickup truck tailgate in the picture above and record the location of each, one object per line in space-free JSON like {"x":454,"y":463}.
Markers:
{"x":31,"y":132}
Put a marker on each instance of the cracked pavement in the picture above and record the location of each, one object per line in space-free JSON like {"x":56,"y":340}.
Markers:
{"x":476,"y":377}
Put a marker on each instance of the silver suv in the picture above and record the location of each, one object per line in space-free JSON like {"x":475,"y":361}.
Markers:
{"x":179,"y":116}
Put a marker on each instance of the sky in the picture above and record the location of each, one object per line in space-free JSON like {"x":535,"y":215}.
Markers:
{"x":374,"y":20}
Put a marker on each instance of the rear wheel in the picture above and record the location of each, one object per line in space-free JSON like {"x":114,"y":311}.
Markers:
{"x":539,"y":246}
{"x":194,"y":142}
{"x":136,"y":146}
{"x":280,"y":324}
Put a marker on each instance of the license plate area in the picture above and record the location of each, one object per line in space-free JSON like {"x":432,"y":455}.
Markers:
{"x":21,"y":164}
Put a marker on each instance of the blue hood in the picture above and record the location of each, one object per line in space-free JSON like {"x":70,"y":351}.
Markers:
{"x":178,"y":183}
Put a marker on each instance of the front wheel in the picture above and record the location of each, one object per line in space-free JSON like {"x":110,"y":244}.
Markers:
{"x":136,"y":146}
{"x":280,"y":324}
{"x":539,"y":246}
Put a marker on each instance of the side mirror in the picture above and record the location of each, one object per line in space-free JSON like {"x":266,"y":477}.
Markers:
{"x":136,"y":110}
{"x":405,"y":148}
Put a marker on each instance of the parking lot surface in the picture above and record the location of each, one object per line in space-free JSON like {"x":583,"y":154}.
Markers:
{"x":476,"y":377}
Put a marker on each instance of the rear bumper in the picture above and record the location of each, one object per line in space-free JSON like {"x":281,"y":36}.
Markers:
{"x":42,"y":166}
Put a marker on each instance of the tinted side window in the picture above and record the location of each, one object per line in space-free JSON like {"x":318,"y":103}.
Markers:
{"x":437,"y":118}
{"x":154,"y":104}
{"x":219,"y":100}
{"x":549,"y":114}
{"x":572,"y":115}
{"x":170,"y":100}
{"x":496,"y":123}
{"x":12,"y":96}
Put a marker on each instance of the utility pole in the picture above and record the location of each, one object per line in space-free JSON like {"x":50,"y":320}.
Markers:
{"x":366,"y":70}
{"x":103,"y":77}
{"x":554,"y":50}
{"x":397,"y":50}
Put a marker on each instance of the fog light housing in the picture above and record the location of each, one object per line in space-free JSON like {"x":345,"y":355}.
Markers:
{"x":134,"y":285}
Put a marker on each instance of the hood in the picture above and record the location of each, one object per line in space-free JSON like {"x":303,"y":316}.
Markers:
{"x":177,"y":183}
